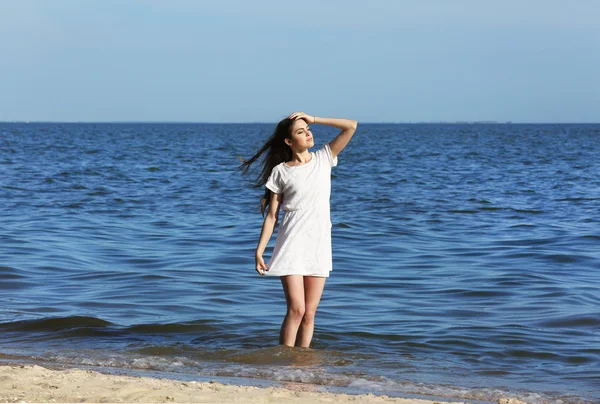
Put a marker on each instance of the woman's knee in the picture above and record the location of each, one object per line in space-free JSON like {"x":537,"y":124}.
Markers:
{"x":297,"y":311}
{"x":309,"y":315}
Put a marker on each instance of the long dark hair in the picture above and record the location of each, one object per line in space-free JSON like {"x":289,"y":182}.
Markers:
{"x":277,"y":152}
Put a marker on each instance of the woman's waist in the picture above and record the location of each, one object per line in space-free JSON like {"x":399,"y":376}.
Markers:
{"x":322,"y":207}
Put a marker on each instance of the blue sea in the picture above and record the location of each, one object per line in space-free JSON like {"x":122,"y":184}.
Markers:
{"x":466,"y":258}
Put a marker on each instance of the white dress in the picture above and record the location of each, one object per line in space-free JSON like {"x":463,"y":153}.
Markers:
{"x":303,"y":244}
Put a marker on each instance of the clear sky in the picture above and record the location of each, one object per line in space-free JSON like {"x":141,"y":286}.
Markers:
{"x":259,"y":60}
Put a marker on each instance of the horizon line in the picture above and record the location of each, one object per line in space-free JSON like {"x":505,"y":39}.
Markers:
{"x":484,"y":122}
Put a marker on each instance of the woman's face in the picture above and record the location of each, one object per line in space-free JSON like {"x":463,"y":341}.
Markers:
{"x":301,"y":137}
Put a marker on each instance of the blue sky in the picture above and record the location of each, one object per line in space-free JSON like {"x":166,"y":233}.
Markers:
{"x":257,"y":61}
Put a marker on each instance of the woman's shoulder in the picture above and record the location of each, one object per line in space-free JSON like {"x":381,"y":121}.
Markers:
{"x":279,"y":166}
{"x":279,"y":169}
{"x":324,"y":153}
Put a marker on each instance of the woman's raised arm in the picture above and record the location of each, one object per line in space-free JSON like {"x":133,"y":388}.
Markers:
{"x":348,"y":127}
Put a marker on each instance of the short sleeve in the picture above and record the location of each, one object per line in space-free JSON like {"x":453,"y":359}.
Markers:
{"x":327,"y":151}
{"x":274,"y":181}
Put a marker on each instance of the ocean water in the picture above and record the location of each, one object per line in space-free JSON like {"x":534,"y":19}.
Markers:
{"x":466,"y":258}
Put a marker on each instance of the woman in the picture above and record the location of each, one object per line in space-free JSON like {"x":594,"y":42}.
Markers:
{"x":299,"y":181}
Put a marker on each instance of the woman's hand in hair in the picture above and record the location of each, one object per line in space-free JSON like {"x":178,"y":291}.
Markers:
{"x":302,"y":115}
{"x":261,"y":268}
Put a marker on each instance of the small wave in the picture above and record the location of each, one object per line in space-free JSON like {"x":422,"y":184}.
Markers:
{"x":478,"y":293}
{"x":528,"y":242}
{"x":174,"y":328}
{"x":484,"y":201}
{"x":11,"y":188}
{"x":561,"y":258}
{"x":15,"y":285}
{"x":10,"y":273}
{"x":586,"y":321}
{"x":54,"y":324}
{"x":491,"y":208}
{"x":532,"y":211}
{"x":577,"y":199}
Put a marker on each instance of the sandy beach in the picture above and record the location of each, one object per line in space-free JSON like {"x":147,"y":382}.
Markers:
{"x":32,"y":383}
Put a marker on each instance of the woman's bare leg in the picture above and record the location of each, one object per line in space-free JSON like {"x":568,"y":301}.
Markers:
{"x":313,"y":289}
{"x":293,"y":287}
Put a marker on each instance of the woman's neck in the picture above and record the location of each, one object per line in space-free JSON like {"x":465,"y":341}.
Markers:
{"x":301,"y":157}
